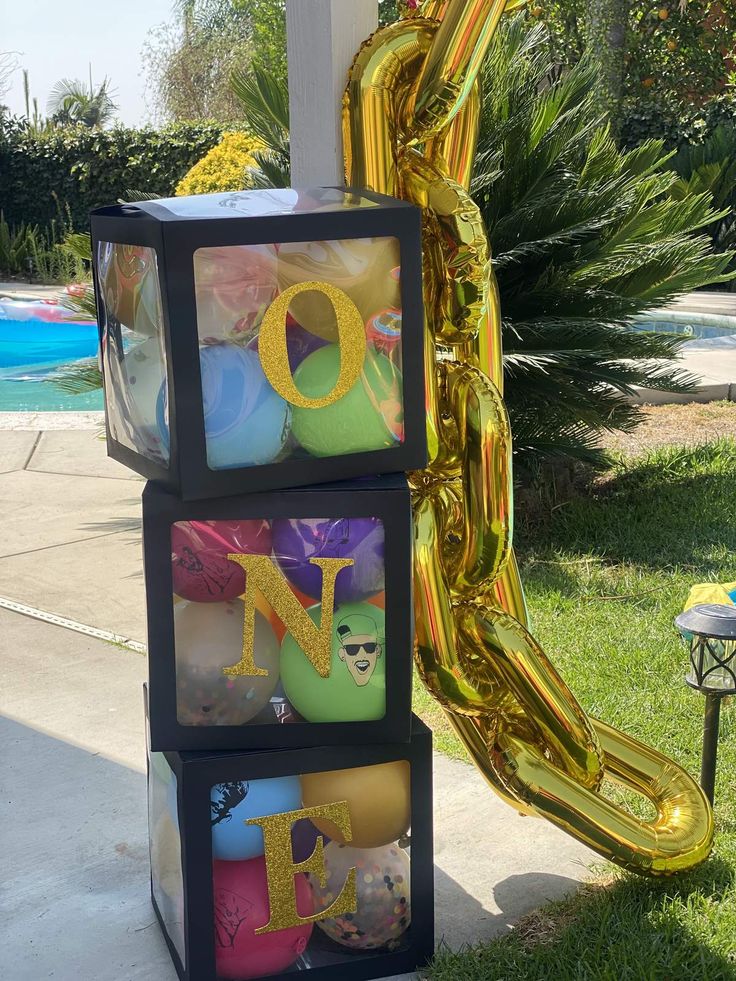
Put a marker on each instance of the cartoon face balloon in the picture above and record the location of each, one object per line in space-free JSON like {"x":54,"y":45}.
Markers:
{"x":355,"y":689}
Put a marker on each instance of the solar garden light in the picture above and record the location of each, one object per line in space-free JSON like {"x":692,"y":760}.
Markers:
{"x":709,"y":632}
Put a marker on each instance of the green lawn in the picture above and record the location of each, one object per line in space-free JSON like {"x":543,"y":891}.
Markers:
{"x":604,"y":579}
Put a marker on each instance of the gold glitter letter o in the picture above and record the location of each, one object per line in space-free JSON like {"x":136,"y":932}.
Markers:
{"x":275,"y":356}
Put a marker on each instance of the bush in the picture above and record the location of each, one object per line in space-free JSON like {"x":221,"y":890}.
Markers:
{"x":46,"y":175}
{"x":675,"y":122}
{"x":44,"y":257}
{"x":223,"y":168}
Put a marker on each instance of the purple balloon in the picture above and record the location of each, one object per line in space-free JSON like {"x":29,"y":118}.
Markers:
{"x":300,"y":343}
{"x":304,"y":837}
{"x":297,"y":540}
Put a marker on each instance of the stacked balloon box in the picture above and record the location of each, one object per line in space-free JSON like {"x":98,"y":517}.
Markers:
{"x":262,"y":359}
{"x":273,"y":862}
{"x":262,"y":339}
{"x":271,"y":625}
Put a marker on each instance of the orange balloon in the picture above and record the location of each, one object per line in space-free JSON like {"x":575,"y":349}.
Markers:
{"x":378,"y":797}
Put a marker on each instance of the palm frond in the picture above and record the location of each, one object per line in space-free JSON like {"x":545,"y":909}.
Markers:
{"x":78,"y":378}
{"x":585,"y":237}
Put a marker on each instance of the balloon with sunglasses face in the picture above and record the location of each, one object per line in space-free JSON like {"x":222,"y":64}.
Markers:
{"x":355,"y":689}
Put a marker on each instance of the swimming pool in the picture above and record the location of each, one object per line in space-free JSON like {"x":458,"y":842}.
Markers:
{"x":33,"y":350}
{"x":701,"y":329}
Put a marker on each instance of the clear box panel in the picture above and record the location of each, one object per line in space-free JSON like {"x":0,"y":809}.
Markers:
{"x":307,"y":661}
{"x":165,"y":848}
{"x":133,"y":349}
{"x":351,"y":829}
{"x":300,"y":349}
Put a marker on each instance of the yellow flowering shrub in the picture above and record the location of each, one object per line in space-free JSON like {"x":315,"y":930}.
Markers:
{"x":222,"y":169}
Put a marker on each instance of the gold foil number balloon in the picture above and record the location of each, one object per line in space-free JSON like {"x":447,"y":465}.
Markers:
{"x":411,"y":113}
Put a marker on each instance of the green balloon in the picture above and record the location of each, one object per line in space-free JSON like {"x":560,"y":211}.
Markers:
{"x":355,"y":689}
{"x":369,"y":417}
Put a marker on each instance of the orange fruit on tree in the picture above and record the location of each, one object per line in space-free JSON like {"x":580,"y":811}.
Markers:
{"x":663,"y":13}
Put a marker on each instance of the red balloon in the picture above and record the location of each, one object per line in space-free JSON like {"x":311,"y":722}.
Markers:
{"x":199,"y":566}
{"x":241,"y":908}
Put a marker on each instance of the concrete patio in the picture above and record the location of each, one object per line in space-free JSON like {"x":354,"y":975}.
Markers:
{"x":74,"y":896}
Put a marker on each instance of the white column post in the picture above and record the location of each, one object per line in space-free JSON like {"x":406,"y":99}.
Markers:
{"x":323,"y":37}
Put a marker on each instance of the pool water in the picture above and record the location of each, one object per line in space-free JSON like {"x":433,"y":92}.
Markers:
{"x":706,"y":327}
{"x":32,"y":351}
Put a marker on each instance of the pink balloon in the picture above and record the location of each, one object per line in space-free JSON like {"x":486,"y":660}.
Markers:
{"x":199,"y":566}
{"x":242,"y":907}
{"x":235,"y":285}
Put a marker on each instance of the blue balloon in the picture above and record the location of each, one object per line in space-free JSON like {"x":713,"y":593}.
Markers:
{"x":246,"y":422}
{"x":232,"y":804}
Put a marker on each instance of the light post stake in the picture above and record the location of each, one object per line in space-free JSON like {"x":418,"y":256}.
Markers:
{"x":709,"y":633}
{"x":710,"y":743}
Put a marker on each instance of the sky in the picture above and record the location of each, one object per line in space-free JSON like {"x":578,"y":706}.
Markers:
{"x":57,"y":39}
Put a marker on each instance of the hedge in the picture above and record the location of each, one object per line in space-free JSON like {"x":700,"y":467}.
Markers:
{"x":81,"y":169}
{"x":678,"y":125}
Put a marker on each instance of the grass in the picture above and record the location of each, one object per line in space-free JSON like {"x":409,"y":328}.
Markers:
{"x":605,"y":575}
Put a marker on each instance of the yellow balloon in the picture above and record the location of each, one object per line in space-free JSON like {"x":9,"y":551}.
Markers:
{"x":364,"y":268}
{"x":379,"y":799}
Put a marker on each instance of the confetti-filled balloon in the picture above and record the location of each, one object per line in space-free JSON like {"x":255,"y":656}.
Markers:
{"x":208,"y":638}
{"x":234,"y":287}
{"x":199,"y":565}
{"x":369,"y":417}
{"x":378,"y":797}
{"x":382,"y":880}
{"x":246,"y":422}
{"x":234,"y":803}
{"x":241,"y":907}
{"x":297,"y":540}
{"x":355,"y":689}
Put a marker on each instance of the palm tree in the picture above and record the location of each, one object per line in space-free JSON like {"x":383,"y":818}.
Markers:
{"x":73,"y":103}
